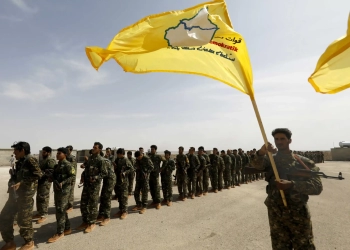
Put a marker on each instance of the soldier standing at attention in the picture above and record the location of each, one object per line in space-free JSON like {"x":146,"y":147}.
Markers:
{"x":154,"y":176}
{"x":214,"y":169}
{"x":245,"y":161}
{"x":182,"y":164}
{"x":123,"y":169}
{"x":227,"y":171}
{"x":290,"y":227}
{"x":166,"y":173}
{"x":238,"y":168}
{"x":205,"y":172}
{"x":233,"y":168}
{"x":24,"y":183}
{"x":104,"y":212}
{"x":71,"y":158}
{"x":44,"y":186}
{"x":203,"y":165}
{"x":143,"y":168}
{"x":94,"y":172}
{"x":221,"y":172}
{"x":131,"y":175}
{"x":192,"y":172}
{"x":63,"y":174}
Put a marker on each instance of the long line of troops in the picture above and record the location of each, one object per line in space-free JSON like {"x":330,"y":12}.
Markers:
{"x":117,"y":172}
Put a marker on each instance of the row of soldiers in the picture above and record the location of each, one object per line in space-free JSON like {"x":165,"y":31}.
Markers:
{"x":316,"y":156}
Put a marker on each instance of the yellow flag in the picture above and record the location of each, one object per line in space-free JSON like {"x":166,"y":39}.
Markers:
{"x":332,"y":72}
{"x":199,"y":40}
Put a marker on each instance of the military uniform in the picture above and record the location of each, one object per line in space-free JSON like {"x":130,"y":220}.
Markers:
{"x":44,"y":186}
{"x":290,"y":227}
{"x":64,"y":173}
{"x":154,"y":177}
{"x":206,"y":174}
{"x":221,"y":170}
{"x":166,"y":178}
{"x":131,"y":176}
{"x":123,"y":169}
{"x":107,"y":189}
{"x":143,"y":168}
{"x":71,"y":158}
{"x":199,"y":181}
{"x":182,"y":164}
{"x":238,"y":179}
{"x":214,"y":170}
{"x":95,"y":171}
{"x":233,"y":170}
{"x":227,"y":171}
{"x":245,"y":162}
{"x":192,"y":173}
{"x":27,"y":173}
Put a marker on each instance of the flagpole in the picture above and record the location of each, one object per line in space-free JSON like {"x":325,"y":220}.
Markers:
{"x":273,"y":164}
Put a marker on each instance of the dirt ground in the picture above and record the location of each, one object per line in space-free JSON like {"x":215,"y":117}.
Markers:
{"x":232,"y":219}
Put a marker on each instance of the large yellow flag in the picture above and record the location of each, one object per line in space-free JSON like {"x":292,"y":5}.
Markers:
{"x":199,"y":40}
{"x":332,"y":72}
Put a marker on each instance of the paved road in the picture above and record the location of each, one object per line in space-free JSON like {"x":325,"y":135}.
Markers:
{"x":232,"y":219}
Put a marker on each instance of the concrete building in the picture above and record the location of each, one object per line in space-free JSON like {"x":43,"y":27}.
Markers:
{"x":340,"y":154}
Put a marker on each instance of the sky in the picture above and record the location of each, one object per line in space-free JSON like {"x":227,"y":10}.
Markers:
{"x":51,"y":96}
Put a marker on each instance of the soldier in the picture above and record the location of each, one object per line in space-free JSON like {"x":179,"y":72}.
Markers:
{"x":232,"y":167}
{"x":221,"y":172}
{"x":143,"y":168}
{"x":104,"y":212}
{"x":22,"y":187}
{"x":131,"y":175}
{"x":192,"y":172}
{"x":182,"y":164}
{"x":154,"y":176}
{"x":95,"y":171}
{"x":141,"y":150}
{"x":71,"y":159}
{"x":205,"y":171}
{"x":214,"y":169}
{"x":44,"y":186}
{"x":63,"y":175}
{"x":289,"y":228}
{"x":227,"y":170}
{"x":109,"y":155}
{"x":203,"y":165}
{"x":245,"y":161}
{"x":123,"y":169}
{"x":238,"y":179}
{"x":166,"y":173}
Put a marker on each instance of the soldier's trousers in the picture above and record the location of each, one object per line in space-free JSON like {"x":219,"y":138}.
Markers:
{"x":238,"y":176}
{"x":23,"y":207}
{"x":123,"y":196}
{"x":89,"y":202}
{"x":214,"y":178}
{"x":61,"y":201}
{"x":199,"y":182}
{"x":167,"y":186}
{"x":227,"y":177}
{"x":205,"y":180}
{"x":233,"y":177}
{"x":181,"y":180}
{"x":192,"y":179}
{"x":154,"y":186}
{"x":131,"y":177}
{"x":43,"y":197}
{"x":71,"y":195}
{"x":290,"y":230}
{"x":141,"y":185}
{"x":220,"y":179}
{"x":106,"y":197}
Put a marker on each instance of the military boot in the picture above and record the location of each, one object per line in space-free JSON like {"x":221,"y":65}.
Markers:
{"x":41,"y":220}
{"x":9,"y":246}
{"x":136,"y":208}
{"x":124,"y":215}
{"x":105,"y":222}
{"x":158,"y":206}
{"x":100,"y":218}
{"x":69,"y":210}
{"x":67,"y":231}
{"x":143,"y":210}
{"x":192,"y":196}
{"x":55,"y":238}
{"x":90,"y":228}
{"x":36,"y":217}
{"x":117,"y":215}
{"x":28,"y":246}
{"x":215,"y":191}
{"x":83,"y":226}
{"x":169,"y":203}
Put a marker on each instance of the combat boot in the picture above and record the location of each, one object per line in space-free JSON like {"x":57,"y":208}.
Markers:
{"x":105,"y":222}
{"x":28,"y":246}
{"x":136,"y":208}
{"x":233,"y":186}
{"x":36,"y":217}
{"x":164,"y":202}
{"x":100,"y":218}
{"x":169,"y":203}
{"x":184,"y":198}
{"x":90,"y":228}
{"x":215,"y":191}
{"x":124,"y":215}
{"x":205,"y":193}
{"x":41,"y":220}
{"x":228,"y":187}
{"x":83,"y":226}
{"x":11,"y":245}
{"x":69,"y":210}
{"x":192,"y":196}
{"x":143,"y":210}
{"x":120,"y":214}
{"x":55,"y":238}
{"x":158,"y":206}
{"x":67,"y":231}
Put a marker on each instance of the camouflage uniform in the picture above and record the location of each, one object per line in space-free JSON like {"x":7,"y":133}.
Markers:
{"x":107,"y":190}
{"x":192,"y":173}
{"x":199,"y":181}
{"x":96,"y":170}
{"x":214,"y":170}
{"x":182,"y":164}
{"x":290,"y":227}
{"x":227,"y":171}
{"x":206,"y":174}
{"x":71,"y":158}
{"x":221,"y":170}
{"x":166,"y":173}
{"x":233,"y":169}
{"x":44,"y":186}
{"x":238,"y":179}
{"x":245,"y":161}
{"x":154,"y":177}
{"x":27,"y":173}
{"x":64,"y":173}
{"x":131,"y":176}
{"x":123,"y":169}
{"x":143,"y":168}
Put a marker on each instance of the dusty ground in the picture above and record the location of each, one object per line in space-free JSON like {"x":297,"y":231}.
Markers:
{"x":232,"y":219}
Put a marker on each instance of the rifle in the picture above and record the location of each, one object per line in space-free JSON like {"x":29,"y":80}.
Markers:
{"x":50,"y":175}
{"x":309,"y":174}
{"x":13,"y":182}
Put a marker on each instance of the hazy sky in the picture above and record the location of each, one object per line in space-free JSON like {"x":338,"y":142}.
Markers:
{"x":50,"y":94}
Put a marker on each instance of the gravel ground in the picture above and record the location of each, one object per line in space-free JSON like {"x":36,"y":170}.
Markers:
{"x":232,"y":219}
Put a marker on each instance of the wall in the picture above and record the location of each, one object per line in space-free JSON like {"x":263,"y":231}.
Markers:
{"x":340,"y":154}
{"x":5,"y":156}
{"x":53,"y":154}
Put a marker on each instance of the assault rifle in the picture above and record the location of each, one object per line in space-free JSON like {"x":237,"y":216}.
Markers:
{"x":13,"y":182}
{"x":50,"y":175}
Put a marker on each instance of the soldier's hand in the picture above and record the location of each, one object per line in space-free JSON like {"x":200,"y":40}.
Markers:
{"x":61,"y":185}
{"x":270,"y":148}
{"x":284,"y":184}
{"x":82,"y":166}
{"x":16,"y":186}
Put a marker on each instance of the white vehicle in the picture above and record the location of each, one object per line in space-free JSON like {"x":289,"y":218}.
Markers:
{"x":344,"y":144}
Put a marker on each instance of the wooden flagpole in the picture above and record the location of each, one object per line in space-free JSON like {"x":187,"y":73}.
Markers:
{"x":273,"y":164}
